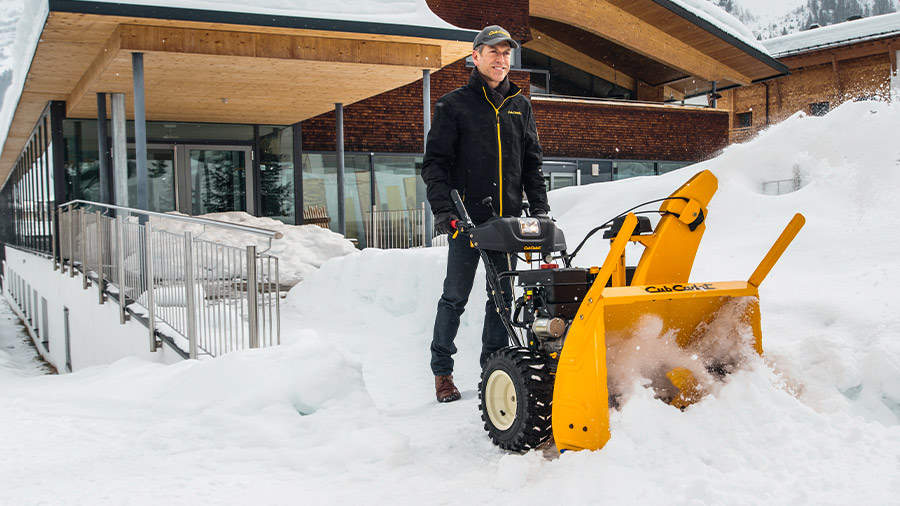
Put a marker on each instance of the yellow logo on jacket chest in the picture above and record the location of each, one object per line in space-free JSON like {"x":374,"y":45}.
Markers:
{"x":514,"y":112}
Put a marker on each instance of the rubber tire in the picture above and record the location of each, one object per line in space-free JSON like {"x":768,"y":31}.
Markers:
{"x":533,"y":383}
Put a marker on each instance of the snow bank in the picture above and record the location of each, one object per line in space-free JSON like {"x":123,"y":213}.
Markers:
{"x":301,"y":250}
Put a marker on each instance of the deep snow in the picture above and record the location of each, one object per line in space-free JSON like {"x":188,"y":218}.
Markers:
{"x":343,"y":412}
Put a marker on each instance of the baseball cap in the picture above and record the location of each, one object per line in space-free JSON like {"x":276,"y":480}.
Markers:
{"x":493,"y":35}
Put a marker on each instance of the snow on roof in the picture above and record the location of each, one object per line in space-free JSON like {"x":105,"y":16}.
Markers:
{"x":722,"y":20}
{"x":397,"y":12}
{"x":835,"y":35}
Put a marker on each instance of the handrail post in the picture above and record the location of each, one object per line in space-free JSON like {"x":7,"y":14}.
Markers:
{"x":252,"y":293}
{"x":71,"y":243}
{"x":120,"y":266}
{"x":53,"y":241}
{"x":151,"y":283}
{"x":84,"y":264}
{"x":424,"y":230}
{"x":374,"y":226}
{"x":277,"y":303}
{"x":100,"y":283}
{"x":189,"y":294}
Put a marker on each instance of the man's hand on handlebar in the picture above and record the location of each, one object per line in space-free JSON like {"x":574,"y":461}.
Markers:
{"x":445,"y":222}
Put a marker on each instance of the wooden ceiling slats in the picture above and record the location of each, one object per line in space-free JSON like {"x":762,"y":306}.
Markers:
{"x":271,"y":74}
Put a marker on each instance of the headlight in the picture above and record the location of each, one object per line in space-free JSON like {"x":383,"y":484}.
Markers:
{"x":529,"y":227}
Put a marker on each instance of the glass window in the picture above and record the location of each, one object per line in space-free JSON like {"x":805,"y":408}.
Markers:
{"x":743,"y":120}
{"x":398,"y":182}
{"x":625,"y":170}
{"x":82,"y":168}
{"x":276,"y":173}
{"x":819,"y":108}
{"x":670,"y":166}
{"x":594,"y":171}
{"x":194,"y":132}
{"x":320,"y":188}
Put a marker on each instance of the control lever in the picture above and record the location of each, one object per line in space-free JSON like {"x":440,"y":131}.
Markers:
{"x":489,"y":201}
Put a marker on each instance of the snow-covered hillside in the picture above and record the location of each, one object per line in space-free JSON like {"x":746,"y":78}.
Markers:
{"x":773,"y":18}
{"x":344,"y":412}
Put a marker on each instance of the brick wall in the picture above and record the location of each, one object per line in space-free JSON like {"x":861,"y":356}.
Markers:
{"x":510,"y":14}
{"x":390,"y":122}
{"x":580,"y":129}
{"x":855,"y":78}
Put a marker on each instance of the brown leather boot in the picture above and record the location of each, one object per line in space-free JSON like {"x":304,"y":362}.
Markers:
{"x":445,"y":389}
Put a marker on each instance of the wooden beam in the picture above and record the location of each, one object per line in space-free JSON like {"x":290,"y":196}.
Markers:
{"x":849,"y":52}
{"x":670,"y":93}
{"x":543,"y":43}
{"x":286,"y":47}
{"x":892,"y":52}
{"x":612,"y":23}
{"x":837,"y":78}
{"x":107,"y":54}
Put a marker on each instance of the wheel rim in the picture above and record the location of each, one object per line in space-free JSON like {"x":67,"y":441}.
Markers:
{"x":500,"y":399}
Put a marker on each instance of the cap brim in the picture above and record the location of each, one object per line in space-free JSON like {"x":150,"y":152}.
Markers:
{"x":513,"y":44}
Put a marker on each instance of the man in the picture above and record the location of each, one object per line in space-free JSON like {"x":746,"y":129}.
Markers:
{"x":483,"y":143}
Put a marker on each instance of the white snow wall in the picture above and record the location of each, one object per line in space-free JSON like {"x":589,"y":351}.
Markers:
{"x":95,"y":335}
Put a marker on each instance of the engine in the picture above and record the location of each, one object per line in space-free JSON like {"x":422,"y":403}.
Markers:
{"x":549,"y":304}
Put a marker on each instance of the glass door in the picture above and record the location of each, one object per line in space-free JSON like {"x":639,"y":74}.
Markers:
{"x":216,"y":179}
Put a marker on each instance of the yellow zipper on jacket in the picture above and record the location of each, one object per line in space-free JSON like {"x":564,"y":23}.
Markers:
{"x":499,"y":144}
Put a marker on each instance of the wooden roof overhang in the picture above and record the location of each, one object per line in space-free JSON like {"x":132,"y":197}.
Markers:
{"x":214,"y":66}
{"x":657,"y":42}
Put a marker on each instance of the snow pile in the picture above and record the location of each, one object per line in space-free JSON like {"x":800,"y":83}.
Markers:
{"x":301,"y":249}
{"x":837,"y":34}
{"x":344,"y":411}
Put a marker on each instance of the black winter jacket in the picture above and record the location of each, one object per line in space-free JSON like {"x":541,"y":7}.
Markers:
{"x":483,"y":150}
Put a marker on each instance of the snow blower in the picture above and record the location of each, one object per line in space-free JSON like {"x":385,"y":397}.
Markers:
{"x":581,"y":336}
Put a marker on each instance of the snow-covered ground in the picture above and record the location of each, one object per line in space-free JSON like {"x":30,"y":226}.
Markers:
{"x":18,"y":358}
{"x":344,"y":413}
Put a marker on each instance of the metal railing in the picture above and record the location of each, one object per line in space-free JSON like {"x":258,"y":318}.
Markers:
{"x":404,"y":228}
{"x":782,"y":186}
{"x":217,"y":297}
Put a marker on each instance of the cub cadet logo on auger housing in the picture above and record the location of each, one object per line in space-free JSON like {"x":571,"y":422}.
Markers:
{"x":531,"y":248}
{"x":680,"y":288}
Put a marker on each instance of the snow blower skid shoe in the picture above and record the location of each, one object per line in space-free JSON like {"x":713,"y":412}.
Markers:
{"x":581,"y":336}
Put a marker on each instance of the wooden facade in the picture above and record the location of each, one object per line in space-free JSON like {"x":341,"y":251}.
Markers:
{"x":820,"y":80}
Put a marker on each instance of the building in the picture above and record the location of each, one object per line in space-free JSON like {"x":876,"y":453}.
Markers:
{"x":226,"y":97}
{"x":156,"y":108}
{"x":854,"y":60}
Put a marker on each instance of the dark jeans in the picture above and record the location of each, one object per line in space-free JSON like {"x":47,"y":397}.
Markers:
{"x":462,"y":260}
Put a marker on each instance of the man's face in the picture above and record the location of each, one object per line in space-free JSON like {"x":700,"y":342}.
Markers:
{"x":493,"y":62}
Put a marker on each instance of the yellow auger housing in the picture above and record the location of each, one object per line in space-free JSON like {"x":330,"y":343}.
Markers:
{"x":710,"y":322}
